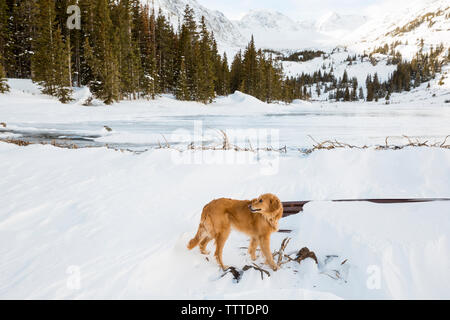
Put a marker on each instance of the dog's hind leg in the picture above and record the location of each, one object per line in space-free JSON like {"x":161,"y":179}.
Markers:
{"x":203,"y":245}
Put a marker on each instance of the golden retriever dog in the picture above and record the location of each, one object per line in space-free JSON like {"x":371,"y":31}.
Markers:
{"x":257,"y":218}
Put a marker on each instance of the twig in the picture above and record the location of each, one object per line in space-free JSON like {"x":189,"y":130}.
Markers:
{"x":256,"y":267}
{"x":280,"y":252}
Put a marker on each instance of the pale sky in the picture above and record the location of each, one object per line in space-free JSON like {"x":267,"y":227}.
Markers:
{"x":296,"y":9}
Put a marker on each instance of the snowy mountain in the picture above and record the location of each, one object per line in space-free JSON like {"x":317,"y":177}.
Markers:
{"x":338,"y":25}
{"x":271,"y":29}
{"x":224,"y":30}
{"x":405,"y":26}
{"x":275,"y":30}
{"x":267,"y":20}
{"x":402,"y":22}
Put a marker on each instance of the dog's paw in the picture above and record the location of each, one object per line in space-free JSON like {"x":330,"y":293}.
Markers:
{"x":275,"y":267}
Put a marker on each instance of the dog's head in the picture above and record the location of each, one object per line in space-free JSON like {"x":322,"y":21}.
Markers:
{"x":268,"y":205}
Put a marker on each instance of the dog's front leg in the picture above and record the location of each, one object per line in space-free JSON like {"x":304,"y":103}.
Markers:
{"x":252,"y":247}
{"x":265,"y":248}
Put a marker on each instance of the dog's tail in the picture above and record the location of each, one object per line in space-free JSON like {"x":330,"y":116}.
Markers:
{"x":201,"y":233}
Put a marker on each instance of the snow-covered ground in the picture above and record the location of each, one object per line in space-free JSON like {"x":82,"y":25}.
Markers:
{"x":98,"y":223}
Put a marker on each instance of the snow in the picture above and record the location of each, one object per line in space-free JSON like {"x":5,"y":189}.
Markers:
{"x":95,"y":223}
{"x":121,"y":222}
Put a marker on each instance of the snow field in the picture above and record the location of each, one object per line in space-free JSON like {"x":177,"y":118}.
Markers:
{"x":119,"y":223}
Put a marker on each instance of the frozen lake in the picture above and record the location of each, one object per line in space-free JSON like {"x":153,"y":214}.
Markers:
{"x":291,"y":127}
{"x":142,"y":124}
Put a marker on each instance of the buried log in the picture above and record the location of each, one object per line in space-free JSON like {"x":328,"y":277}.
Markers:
{"x":305,"y":253}
{"x":294,"y":207}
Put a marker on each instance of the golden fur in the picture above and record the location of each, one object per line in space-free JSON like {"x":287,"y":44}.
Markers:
{"x":257,"y":218}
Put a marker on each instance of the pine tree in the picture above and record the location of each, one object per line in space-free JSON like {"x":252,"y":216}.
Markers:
{"x":345,"y":77}
{"x":347,"y":94}
{"x":250,"y":69}
{"x":189,"y":50}
{"x":62,"y":71}
{"x":5,"y":35}
{"x":370,"y":88}
{"x":236,"y":73}
{"x":129,"y":51}
{"x":361,"y":94}
{"x":181,"y":90}
{"x":168,"y":54}
{"x":206,"y":77}
{"x":44,"y":57}
{"x":51,"y":60}
{"x":23,"y":20}
{"x":147,"y":43}
{"x":101,"y":55}
{"x":223,"y":76}
{"x":4,"y":87}
{"x":376,"y":87}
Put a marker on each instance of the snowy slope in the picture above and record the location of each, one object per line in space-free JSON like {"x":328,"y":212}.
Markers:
{"x":337,"y":61}
{"x":406,"y":23}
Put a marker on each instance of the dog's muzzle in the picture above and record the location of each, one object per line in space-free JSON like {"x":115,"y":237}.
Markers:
{"x":252,"y":209}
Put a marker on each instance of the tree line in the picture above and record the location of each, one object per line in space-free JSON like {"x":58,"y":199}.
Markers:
{"x":125,"y":50}
{"x":422,"y":68}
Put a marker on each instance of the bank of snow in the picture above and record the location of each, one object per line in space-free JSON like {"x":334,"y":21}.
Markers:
{"x":121,"y":222}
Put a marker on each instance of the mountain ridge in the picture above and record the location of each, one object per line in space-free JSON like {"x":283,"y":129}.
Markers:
{"x":275,"y":30}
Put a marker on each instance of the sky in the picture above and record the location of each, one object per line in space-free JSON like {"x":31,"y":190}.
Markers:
{"x":296,"y":9}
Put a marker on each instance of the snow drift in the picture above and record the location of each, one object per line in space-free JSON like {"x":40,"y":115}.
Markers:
{"x":95,"y":223}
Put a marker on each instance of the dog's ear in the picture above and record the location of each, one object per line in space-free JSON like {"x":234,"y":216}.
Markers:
{"x":276,"y":207}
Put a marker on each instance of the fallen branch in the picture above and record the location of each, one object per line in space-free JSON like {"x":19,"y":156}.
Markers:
{"x":330,"y":145}
{"x":256,"y":267}
{"x":237,"y":274}
{"x":280,"y":252}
